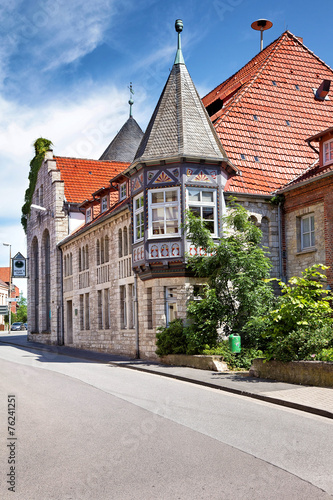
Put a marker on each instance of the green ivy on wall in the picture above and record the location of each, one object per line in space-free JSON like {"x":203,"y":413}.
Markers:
{"x":41,"y":146}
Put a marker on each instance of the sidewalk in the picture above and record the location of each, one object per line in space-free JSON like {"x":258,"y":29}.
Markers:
{"x":316,"y":400}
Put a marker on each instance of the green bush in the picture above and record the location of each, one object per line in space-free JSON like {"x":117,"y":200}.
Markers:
{"x":301,"y":324}
{"x":301,"y":344}
{"x":325,"y":355}
{"x":171,"y":339}
{"x":242,"y":360}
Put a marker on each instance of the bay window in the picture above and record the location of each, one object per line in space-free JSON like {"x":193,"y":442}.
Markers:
{"x":138,"y":217}
{"x":202,"y":203}
{"x":164,"y":212}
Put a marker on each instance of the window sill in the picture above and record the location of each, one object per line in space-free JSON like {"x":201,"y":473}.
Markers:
{"x":307,"y":250}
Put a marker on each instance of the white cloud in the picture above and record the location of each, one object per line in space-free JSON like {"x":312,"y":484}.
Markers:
{"x":81,"y":126}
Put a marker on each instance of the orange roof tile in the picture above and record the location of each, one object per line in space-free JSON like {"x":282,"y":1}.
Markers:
{"x":4,"y":274}
{"x":83,"y":177}
{"x":273,"y":145}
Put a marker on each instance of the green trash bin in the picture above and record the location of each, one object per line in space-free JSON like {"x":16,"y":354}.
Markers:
{"x":235,"y":343}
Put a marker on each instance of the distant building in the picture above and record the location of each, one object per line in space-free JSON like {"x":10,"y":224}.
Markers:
{"x":107,"y":257}
{"x":4,"y":281}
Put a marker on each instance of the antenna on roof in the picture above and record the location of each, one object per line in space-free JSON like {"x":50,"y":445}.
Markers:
{"x":131,"y":102}
{"x":261,"y":25}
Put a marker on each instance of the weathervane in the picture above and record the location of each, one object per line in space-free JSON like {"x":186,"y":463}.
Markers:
{"x":131,"y":102}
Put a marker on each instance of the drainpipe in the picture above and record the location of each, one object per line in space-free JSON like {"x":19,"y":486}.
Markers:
{"x":61,"y":307}
{"x":136,"y":312}
{"x":280,"y":241}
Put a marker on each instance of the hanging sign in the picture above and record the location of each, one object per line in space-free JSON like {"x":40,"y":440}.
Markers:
{"x":19,"y":267}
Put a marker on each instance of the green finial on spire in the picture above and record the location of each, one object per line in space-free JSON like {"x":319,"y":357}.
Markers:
{"x":131,"y":102}
{"x":179,"y":56}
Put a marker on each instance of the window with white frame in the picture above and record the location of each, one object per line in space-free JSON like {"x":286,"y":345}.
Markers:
{"x":307,"y":232}
{"x":170,"y":305}
{"x":138,"y":217}
{"x":88,"y":214}
{"x":104,"y":203}
{"x":164,"y":212}
{"x":122,"y":191}
{"x":202,"y":203}
{"x":328,"y":151}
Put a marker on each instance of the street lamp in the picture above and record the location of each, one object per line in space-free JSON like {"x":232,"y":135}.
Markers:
{"x":10,"y":285}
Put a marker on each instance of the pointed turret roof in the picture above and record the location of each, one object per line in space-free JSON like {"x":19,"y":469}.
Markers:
{"x":180,"y":125}
{"x":125,"y":144}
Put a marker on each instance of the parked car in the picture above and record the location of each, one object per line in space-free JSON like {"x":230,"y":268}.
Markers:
{"x":17,"y":326}
{"x":25,"y":326}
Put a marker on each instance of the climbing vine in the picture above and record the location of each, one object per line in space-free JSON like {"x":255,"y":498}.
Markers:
{"x":41,"y":146}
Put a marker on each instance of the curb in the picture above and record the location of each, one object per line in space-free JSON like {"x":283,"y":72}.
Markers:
{"x":267,"y":399}
{"x":127,"y":364}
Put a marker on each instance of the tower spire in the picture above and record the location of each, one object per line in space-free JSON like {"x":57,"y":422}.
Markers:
{"x":179,"y":56}
{"x":131,"y":102}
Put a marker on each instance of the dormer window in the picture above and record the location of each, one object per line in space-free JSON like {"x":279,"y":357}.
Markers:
{"x":88,"y":215}
{"x":328,"y":151}
{"x":122,"y":191}
{"x":104,"y":203}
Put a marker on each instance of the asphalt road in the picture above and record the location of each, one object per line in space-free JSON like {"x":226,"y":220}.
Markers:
{"x":92,"y":431}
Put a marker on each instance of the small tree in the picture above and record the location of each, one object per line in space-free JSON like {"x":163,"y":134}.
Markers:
{"x":22,"y":311}
{"x":237,"y":269}
{"x":301,"y":323}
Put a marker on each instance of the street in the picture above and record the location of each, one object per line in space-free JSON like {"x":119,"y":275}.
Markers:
{"x":88,"y":430}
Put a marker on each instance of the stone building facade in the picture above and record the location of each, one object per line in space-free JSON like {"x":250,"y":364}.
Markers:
{"x":108,"y":250}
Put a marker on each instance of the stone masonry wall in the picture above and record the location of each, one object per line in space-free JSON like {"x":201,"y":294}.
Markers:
{"x":314,"y":198}
{"x":49,"y":193}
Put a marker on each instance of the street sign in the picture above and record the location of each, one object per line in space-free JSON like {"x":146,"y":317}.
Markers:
{"x":19,"y":266}
{"x":4,"y":310}
{"x":12,"y":300}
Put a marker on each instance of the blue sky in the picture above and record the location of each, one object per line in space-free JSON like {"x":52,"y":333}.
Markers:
{"x":65,"y":67}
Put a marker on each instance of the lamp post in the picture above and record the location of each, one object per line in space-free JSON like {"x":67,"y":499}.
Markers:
{"x":10,"y":285}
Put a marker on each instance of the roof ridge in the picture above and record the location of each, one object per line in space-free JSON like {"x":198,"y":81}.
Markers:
{"x":307,"y":48}
{"x":89,"y":159}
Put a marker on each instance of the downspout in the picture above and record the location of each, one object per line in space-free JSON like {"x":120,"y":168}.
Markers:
{"x":280,"y":241}
{"x":61,"y":315}
{"x":136,"y":312}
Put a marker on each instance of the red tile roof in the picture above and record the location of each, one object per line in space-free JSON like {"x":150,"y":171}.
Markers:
{"x":281,"y":150}
{"x":98,"y":218}
{"x":83,"y":177}
{"x":4,"y":274}
{"x":312,"y":173}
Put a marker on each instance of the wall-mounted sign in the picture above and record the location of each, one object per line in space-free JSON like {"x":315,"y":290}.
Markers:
{"x":19,"y":268}
{"x":3,"y":310}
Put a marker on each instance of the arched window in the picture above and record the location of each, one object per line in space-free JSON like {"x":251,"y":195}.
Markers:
{"x":98,"y":256}
{"x":35,"y":285}
{"x":120,"y":243}
{"x":70,"y":264}
{"x":102,"y":250}
{"x":87,"y":257}
{"x":125,"y":239}
{"x":47,"y":262}
{"x":107,"y":249}
{"x":265,"y":231}
{"x":83,"y":253}
{"x":254,"y":220}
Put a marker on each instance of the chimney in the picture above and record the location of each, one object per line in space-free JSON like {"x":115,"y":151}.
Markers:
{"x":323,"y":90}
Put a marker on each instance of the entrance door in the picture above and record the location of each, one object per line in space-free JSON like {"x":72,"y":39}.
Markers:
{"x":69,"y":322}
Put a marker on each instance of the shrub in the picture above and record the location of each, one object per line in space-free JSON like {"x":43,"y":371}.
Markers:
{"x":325,"y":355}
{"x":171,"y":339}
{"x":301,"y":344}
{"x":242,"y":360}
